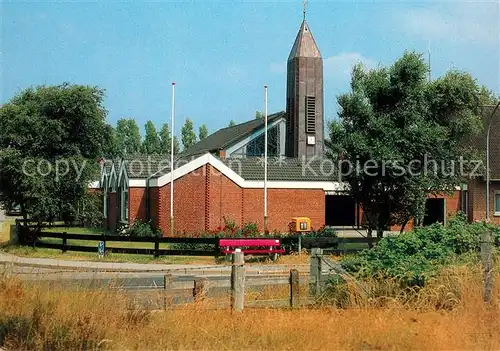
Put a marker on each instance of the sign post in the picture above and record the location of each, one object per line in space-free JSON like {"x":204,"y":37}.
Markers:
{"x":101,"y":249}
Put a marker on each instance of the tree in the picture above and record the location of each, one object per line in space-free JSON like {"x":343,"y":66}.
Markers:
{"x":165,"y":141}
{"x":399,"y":135}
{"x":203,"y":132}
{"x":151,"y":144}
{"x":259,"y":115}
{"x":231,"y":123}
{"x":50,"y":140}
{"x":128,"y":136}
{"x":110,"y":148}
{"x":188,"y":134}
{"x":177,"y":146}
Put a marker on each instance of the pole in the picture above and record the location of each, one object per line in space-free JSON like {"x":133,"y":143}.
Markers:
{"x":265,"y":159}
{"x":238,"y":281}
{"x":486,"y":250}
{"x":172,"y":164}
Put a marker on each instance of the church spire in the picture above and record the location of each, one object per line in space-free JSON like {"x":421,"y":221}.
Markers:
{"x":305,"y":45}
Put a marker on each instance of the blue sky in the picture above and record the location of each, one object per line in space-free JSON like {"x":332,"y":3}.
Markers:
{"x":222,"y":53}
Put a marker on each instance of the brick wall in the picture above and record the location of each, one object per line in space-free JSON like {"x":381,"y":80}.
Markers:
{"x":477,"y":200}
{"x":136,"y":204}
{"x":189,"y":204}
{"x":225,"y":199}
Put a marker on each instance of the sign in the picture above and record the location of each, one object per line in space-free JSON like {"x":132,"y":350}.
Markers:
{"x":100,"y":248}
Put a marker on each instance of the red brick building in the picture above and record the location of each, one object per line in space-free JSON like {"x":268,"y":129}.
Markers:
{"x":222,"y":175}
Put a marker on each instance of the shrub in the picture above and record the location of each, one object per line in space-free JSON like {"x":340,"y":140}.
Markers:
{"x":414,"y":257}
{"x":143,"y":229}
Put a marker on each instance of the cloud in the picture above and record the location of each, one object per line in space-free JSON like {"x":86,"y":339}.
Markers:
{"x":340,"y":66}
{"x":456,"y":21}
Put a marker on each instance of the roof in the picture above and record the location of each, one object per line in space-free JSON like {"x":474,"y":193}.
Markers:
{"x":284,"y":169}
{"x":304,"y":45}
{"x":143,"y":166}
{"x":226,"y":137}
{"x":480,"y":141}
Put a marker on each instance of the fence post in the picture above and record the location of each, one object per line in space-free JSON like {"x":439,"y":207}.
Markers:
{"x":238,"y":281}
{"x":167,"y":285}
{"x":315,"y":270}
{"x":200,"y":289}
{"x":64,"y":242}
{"x":294,"y":288}
{"x":157,"y":247}
{"x":300,"y":243}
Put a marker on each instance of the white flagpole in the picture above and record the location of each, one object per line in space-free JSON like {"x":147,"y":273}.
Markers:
{"x":172,"y":163}
{"x":265,"y":159}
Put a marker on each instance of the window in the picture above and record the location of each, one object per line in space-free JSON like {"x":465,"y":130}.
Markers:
{"x":124,"y":203}
{"x":497,"y":203}
{"x":310,"y":114}
{"x":105,"y":198}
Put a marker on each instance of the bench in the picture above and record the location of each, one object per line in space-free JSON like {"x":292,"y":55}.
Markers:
{"x":252,"y":246}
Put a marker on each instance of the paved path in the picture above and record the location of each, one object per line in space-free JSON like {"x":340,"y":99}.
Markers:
{"x":8,"y":259}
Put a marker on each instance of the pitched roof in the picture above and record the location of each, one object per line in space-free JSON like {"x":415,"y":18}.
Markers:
{"x":225,"y":137}
{"x":305,"y":45}
{"x":143,"y":166}
{"x":284,"y":169}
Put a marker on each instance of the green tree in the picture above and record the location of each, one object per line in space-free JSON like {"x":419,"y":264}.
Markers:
{"x":165,"y":139}
{"x":128,"y":136}
{"x":231,"y":123}
{"x":188,"y":135}
{"x":151,"y":144}
{"x":50,"y":139}
{"x":177,"y":146}
{"x":259,"y":115}
{"x":110,"y":148}
{"x":203,"y":132}
{"x":403,"y":131}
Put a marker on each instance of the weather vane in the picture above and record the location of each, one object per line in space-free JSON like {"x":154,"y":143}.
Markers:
{"x":305,"y":3}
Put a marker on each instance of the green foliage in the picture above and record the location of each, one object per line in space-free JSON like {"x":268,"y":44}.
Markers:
{"x":203,"y":132}
{"x":414,"y":257}
{"x":395,"y":122}
{"x":143,"y":229}
{"x":151,"y":144}
{"x":259,"y":115}
{"x":128,"y":137}
{"x":188,"y":135}
{"x":231,"y":123}
{"x":50,"y":139}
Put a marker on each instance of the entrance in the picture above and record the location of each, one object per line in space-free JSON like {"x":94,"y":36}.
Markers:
{"x":340,"y":210}
{"x":434,"y":211}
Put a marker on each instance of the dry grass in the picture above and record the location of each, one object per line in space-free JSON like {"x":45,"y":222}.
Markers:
{"x":448,"y":314}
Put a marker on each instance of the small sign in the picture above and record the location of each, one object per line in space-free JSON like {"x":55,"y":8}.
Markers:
{"x":100,"y":248}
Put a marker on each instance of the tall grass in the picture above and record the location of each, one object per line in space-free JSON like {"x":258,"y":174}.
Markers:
{"x":446,"y":314}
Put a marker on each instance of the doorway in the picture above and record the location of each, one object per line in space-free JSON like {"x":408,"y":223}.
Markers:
{"x":434,"y":211}
{"x":340,"y":210}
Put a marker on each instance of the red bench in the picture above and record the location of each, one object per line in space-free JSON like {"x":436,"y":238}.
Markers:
{"x":252,"y":246}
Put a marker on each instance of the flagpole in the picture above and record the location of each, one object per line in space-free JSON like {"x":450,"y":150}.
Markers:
{"x":172,"y":163}
{"x":265,"y":159}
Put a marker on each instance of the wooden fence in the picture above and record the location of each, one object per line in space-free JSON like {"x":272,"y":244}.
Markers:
{"x":32,"y":234}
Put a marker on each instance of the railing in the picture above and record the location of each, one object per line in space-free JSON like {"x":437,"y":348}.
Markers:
{"x":32,"y":234}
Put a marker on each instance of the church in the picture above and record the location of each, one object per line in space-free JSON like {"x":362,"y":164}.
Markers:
{"x":222,"y":176}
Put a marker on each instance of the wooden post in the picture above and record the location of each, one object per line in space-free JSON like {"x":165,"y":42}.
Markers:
{"x":300,"y":243}
{"x":64,"y":242}
{"x":238,"y":281}
{"x":294,"y":288}
{"x":157,"y":247}
{"x":167,"y":284}
{"x":315,"y":270}
{"x":200,"y":289}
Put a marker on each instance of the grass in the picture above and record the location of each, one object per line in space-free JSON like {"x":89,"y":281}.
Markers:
{"x":35,"y":317}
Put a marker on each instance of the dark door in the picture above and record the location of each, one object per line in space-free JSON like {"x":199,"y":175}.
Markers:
{"x":434,"y":211}
{"x":340,"y":210}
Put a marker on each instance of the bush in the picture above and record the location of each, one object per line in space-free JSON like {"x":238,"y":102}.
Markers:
{"x":143,"y":229}
{"x":416,"y":256}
